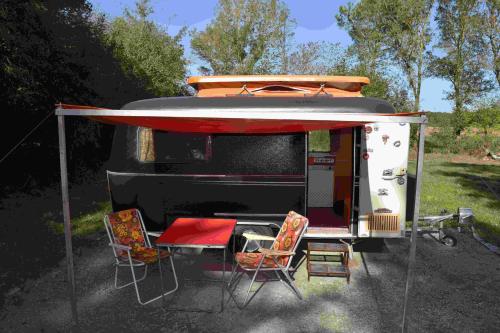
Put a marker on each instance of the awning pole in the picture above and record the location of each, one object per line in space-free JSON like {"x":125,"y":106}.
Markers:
{"x":413,"y":244}
{"x":66,"y":215}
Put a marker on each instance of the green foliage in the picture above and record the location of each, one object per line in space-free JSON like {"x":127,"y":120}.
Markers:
{"x":50,"y":52}
{"x":487,"y":117}
{"x":356,"y":20}
{"x":490,"y":27}
{"x":381,"y":86}
{"x":319,"y":141}
{"x":459,"y":36}
{"x":405,"y":28}
{"x":86,"y":224}
{"x":316,"y":58}
{"x":445,"y":141}
{"x":241,"y":34}
{"x":397,"y":31}
{"x":147,"y":52}
{"x":439,"y":119}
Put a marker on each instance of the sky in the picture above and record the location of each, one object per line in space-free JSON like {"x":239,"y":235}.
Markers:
{"x":315,"y":22}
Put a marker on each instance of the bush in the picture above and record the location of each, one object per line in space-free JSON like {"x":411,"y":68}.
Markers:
{"x":474,"y":145}
{"x":446,"y":142}
{"x":439,"y":119}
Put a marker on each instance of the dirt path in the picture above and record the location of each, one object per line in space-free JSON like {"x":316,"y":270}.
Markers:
{"x":456,"y":289}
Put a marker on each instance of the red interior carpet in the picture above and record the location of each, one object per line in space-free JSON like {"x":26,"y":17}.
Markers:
{"x":324,"y":217}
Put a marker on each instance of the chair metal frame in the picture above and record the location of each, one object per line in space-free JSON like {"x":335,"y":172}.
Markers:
{"x":266,"y":253}
{"x":120,"y":261}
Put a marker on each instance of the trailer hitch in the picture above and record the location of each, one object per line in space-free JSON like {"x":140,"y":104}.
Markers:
{"x":464,"y":217}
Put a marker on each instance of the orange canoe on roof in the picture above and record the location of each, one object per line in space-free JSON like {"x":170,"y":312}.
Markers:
{"x":278,"y":85}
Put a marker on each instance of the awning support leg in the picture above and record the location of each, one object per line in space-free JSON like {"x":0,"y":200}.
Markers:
{"x":66,"y":215}
{"x":413,"y":244}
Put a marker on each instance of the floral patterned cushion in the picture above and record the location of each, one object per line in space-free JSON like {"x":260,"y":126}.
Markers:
{"x":126,"y":226}
{"x":127,"y":230}
{"x":289,"y":233}
{"x":285,"y":241}
{"x":147,"y":255}
{"x":251,"y":260}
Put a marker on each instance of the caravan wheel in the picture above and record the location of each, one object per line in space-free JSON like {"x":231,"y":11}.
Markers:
{"x":449,"y":241}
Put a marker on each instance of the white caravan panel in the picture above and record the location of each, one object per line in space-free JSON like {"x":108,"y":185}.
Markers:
{"x":383,"y":179}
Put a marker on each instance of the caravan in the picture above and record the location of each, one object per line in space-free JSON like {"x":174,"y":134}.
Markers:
{"x":255,"y":147}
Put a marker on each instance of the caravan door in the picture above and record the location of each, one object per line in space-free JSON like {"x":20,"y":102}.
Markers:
{"x":383,"y":179}
{"x":329,"y":184}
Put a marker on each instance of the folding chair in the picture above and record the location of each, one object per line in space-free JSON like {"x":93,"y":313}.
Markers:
{"x":276,"y":259}
{"x":131,"y":247}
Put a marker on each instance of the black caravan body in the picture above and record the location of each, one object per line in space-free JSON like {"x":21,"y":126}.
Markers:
{"x":192,"y":174}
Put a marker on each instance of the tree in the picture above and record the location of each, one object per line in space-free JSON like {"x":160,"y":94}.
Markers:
{"x":51,"y":52}
{"x":147,"y":52}
{"x":487,"y":116}
{"x":458,"y":22}
{"x":490,"y":19}
{"x":397,"y":31}
{"x":241,"y":35}
{"x":356,"y":20}
{"x":316,"y":58}
{"x":382,"y":85}
{"x":405,"y":27}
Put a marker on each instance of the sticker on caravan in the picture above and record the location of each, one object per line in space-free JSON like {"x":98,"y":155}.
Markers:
{"x":401,"y":172}
{"x":368,"y":129}
{"x":387,"y":172}
{"x":385,"y":137}
{"x":401,"y":181}
{"x":383,"y":191}
{"x":397,"y":143}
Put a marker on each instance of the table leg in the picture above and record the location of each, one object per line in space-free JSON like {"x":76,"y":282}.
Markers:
{"x":223,"y":280}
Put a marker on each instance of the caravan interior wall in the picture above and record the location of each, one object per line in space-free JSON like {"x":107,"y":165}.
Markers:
{"x":167,"y":175}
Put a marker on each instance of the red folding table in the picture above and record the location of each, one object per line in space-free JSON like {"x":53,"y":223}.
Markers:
{"x":202,"y":233}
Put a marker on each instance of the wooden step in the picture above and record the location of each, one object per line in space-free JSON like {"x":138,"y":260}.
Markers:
{"x":326,"y":268}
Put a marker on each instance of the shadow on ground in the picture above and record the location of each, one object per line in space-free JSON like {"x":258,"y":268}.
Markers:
{"x":455,"y":290}
{"x":28,"y":245}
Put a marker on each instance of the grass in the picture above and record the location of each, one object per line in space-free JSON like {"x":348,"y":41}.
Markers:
{"x":448,"y":185}
{"x":335,"y":322}
{"x":85,"y":224}
{"x":318,"y":285}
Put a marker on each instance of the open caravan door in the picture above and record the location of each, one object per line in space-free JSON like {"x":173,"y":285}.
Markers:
{"x":383,"y":179}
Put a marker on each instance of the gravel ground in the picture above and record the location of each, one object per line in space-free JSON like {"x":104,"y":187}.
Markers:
{"x":456,"y":289}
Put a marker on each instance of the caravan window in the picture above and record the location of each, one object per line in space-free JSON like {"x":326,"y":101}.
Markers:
{"x":319,"y":141}
{"x":169,"y":147}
